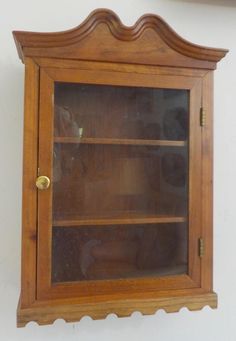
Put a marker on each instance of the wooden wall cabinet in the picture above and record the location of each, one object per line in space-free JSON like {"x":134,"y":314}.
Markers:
{"x":117,"y":184}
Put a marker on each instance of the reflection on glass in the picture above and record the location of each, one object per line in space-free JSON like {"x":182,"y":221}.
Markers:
{"x":91,"y":253}
{"x":102,"y":181}
{"x":121,"y":112}
{"x":120,"y":167}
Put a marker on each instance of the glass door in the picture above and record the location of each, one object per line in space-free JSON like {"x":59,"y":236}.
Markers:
{"x":122,"y":178}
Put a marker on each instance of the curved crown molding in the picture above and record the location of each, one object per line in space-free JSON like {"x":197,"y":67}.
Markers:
{"x":121,"y":32}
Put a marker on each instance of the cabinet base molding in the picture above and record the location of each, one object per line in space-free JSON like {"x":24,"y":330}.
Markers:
{"x":47,"y":313}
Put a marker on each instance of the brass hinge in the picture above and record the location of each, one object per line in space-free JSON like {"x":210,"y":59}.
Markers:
{"x":202,"y":117}
{"x":201,"y":247}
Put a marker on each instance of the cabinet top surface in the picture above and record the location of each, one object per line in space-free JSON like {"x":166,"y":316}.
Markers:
{"x":103,"y":37}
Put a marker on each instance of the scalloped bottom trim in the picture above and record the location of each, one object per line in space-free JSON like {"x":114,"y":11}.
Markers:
{"x":47,"y":314}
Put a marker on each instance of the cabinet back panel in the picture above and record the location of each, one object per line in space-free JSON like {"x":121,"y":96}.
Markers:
{"x":121,"y":112}
{"x":105,"y":181}
{"x":110,"y":252}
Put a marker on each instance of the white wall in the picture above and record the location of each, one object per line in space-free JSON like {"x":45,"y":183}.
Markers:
{"x":206,"y":22}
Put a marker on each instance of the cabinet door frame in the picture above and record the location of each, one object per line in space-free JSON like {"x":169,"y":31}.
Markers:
{"x":46,"y":290}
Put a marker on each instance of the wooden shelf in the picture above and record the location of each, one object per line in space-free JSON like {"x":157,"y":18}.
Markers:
{"x":118,"y":220}
{"x":171,"y":270}
{"x":93,"y":140}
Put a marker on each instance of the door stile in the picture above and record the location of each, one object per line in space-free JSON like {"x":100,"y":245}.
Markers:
{"x":46,"y":118}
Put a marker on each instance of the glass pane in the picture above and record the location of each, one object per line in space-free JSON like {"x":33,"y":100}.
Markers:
{"x":92,"y":253}
{"x":92,"y":181}
{"x":120,"y":112}
{"x":120,"y":167}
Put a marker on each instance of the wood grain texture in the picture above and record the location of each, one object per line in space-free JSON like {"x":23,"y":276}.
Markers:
{"x":121,"y":78}
{"x":92,"y":289}
{"x":29,"y":198}
{"x":135,"y":219}
{"x":118,"y":67}
{"x":45,"y":167}
{"x":103,"y":37}
{"x":207,"y":184}
{"x":47,"y":313}
{"x":194,"y":182}
{"x":49,"y":75}
{"x":102,"y":51}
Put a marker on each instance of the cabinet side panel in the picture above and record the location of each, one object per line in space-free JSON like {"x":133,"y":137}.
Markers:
{"x":194,"y":184}
{"x":29,"y":198}
{"x":207,"y":180}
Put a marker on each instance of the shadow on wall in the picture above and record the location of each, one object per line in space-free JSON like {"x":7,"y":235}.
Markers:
{"x":228,"y":3}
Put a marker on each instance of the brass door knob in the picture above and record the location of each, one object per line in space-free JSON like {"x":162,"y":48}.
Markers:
{"x":42,"y":182}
